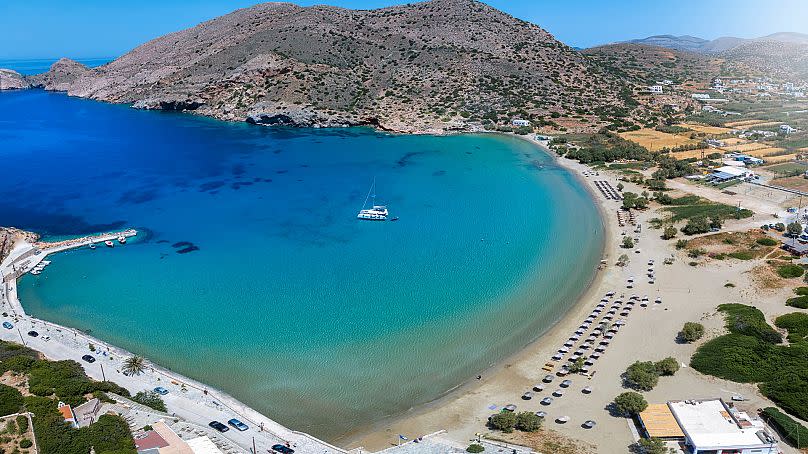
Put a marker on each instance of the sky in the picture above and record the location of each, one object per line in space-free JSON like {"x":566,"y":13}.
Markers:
{"x":103,"y":28}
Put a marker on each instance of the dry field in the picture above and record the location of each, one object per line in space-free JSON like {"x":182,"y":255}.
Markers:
{"x":721,"y":245}
{"x":656,"y":140}
{"x":796,"y":183}
{"x":745,"y":148}
{"x":745,"y":123}
{"x":763,"y":152}
{"x":694,"y":153}
{"x":706,"y":129}
{"x":780,"y":159}
{"x":734,"y":141}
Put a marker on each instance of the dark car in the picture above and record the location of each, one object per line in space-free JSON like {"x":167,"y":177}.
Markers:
{"x":88,"y":358}
{"x":238,"y":425}
{"x":33,"y":333}
{"x":218,"y":426}
{"x":282,"y":449}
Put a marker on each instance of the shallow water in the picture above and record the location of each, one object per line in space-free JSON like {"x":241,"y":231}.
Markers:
{"x":252,"y":273}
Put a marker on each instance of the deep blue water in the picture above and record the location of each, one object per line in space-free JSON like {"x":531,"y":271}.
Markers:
{"x":289,"y":303}
{"x":40,"y":65}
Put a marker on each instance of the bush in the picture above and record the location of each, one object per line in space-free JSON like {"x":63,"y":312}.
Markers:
{"x":681,"y":244}
{"x":669,"y":232}
{"x":10,"y":400}
{"x":475,"y":448}
{"x":651,"y":446}
{"x":504,"y":421}
{"x":742,"y":255}
{"x":696,"y":225}
{"x":668,"y":366}
{"x":630,"y":403}
{"x":150,"y":399}
{"x":528,"y":422}
{"x":22,"y":424}
{"x":750,"y":321}
{"x":766,"y":241}
{"x":691,"y":332}
{"x":642,"y":376}
{"x":795,"y":323}
{"x":26,"y":443}
{"x":802,"y":291}
{"x":794,"y":432}
{"x":790,"y":271}
{"x":628,"y":242}
{"x":799,"y":302}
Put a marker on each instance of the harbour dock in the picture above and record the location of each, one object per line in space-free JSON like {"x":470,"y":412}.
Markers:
{"x":27,"y":256}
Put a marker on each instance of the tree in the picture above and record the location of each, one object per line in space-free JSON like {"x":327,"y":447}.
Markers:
{"x":577,"y":365}
{"x":150,"y":399}
{"x":475,"y":448}
{"x":528,"y":421}
{"x":629,"y":200}
{"x":669,"y":232}
{"x":696,"y":224}
{"x":134,"y":365}
{"x":641,"y":203}
{"x":794,"y":229}
{"x":780,"y":227}
{"x":691,"y":332}
{"x":10,"y":400}
{"x":651,"y":446}
{"x":630,"y":403}
{"x":667,"y":366}
{"x":505,"y":421}
{"x":623,"y":260}
{"x":715,"y":222}
{"x":620,"y":186}
{"x":642,"y":375}
{"x":662,"y":198}
{"x":628,"y":242}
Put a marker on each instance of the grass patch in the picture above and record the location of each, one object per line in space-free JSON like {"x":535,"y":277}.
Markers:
{"x":742,"y":255}
{"x":800,"y":302}
{"x":795,"y":323}
{"x":790,"y":271}
{"x":690,"y":206}
{"x":766,"y":241}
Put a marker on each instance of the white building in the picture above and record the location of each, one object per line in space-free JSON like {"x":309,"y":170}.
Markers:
{"x":518,"y":122}
{"x":786,"y":129}
{"x":700,"y":96}
{"x":711,"y":426}
{"x":656,"y":89}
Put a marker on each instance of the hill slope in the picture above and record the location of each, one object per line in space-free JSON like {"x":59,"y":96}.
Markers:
{"x":422,"y":66}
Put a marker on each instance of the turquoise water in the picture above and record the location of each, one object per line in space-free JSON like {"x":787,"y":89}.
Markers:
{"x":290,"y":304}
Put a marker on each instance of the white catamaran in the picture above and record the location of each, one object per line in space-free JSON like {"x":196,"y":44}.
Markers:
{"x":377,"y":212}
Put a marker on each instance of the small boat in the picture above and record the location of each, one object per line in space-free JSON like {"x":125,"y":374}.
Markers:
{"x":122,"y":239}
{"x":92,"y":245}
{"x":394,"y":219}
{"x":109,"y":243}
{"x":376,"y":212}
{"x":35,"y":271}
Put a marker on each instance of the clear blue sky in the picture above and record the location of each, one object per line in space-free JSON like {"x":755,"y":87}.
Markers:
{"x":105,"y":28}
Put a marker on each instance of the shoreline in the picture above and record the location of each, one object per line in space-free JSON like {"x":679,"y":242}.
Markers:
{"x":374,"y":437}
{"x":456,"y":392}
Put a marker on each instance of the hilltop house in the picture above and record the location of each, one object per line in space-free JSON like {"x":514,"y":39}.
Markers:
{"x":786,"y":129}
{"x":67,"y":414}
{"x":519,"y":122}
{"x":700,"y":96}
{"x":656,"y":89}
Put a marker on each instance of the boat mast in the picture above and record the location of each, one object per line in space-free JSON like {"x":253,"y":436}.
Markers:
{"x":369,"y":192}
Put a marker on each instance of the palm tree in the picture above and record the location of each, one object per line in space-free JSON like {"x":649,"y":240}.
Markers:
{"x":134,"y":365}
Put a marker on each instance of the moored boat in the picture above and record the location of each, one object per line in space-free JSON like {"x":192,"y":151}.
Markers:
{"x":109,"y":243}
{"x":122,"y":239}
{"x":376,"y":212}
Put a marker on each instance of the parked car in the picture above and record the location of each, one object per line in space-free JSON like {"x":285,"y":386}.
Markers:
{"x":88,"y":358}
{"x":238,"y":425}
{"x":7,"y":325}
{"x":33,"y":333}
{"x":218,"y":426}
{"x":161,"y":391}
{"x":282,"y":449}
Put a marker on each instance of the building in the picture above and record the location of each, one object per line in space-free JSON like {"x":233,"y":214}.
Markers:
{"x":700,"y":96}
{"x":714,"y":143}
{"x":656,"y":89}
{"x":87,"y":413}
{"x":728,"y":173}
{"x":658,"y":422}
{"x":518,"y":122}
{"x":163,"y":440}
{"x":711,"y":426}
{"x":786,"y":129}
{"x":67,"y":414}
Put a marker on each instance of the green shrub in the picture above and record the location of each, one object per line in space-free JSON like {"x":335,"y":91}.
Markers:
{"x":741,"y":255}
{"x":802,"y":291}
{"x":766,"y":241}
{"x":794,"y":432}
{"x":10,"y":400}
{"x":750,"y":321}
{"x":790,"y":271}
{"x":22,"y":424}
{"x":504,"y":421}
{"x":795,"y":323}
{"x":150,"y":399}
{"x":651,"y":446}
{"x":681,"y":244}
{"x":799,"y":301}
{"x":668,"y":366}
{"x":696,"y":225}
{"x":475,"y":448}
{"x":691,"y":332}
{"x":642,"y":375}
{"x":630,"y":403}
{"x":26,"y":443}
{"x":528,"y":422}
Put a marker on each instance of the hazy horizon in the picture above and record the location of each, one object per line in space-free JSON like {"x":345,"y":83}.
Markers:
{"x":94,"y":29}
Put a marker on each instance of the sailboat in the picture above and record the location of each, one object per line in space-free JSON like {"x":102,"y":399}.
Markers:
{"x":377,"y":212}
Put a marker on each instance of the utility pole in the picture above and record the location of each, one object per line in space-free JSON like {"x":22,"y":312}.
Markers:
{"x":21,"y":338}
{"x":102,"y":372}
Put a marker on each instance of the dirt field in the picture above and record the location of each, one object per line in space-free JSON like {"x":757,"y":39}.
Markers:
{"x":744,"y":148}
{"x":734,"y":141}
{"x":656,"y":140}
{"x":714,"y":130}
{"x":781,"y":158}
{"x":763,"y":152}
{"x":694,"y":153}
{"x":745,"y":123}
{"x":798,"y":183}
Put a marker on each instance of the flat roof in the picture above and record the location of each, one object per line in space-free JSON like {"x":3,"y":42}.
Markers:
{"x":709,"y":425}
{"x":732,"y":170}
{"x":203,"y":445}
{"x":660,"y":423}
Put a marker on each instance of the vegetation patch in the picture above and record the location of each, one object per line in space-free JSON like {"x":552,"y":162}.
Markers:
{"x":795,"y":433}
{"x":790,"y":271}
{"x":689,"y":207}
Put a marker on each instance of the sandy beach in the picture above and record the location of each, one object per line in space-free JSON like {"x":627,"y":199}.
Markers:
{"x":687,"y":294}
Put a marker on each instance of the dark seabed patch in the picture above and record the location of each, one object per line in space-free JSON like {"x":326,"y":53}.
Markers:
{"x":136,"y":196}
{"x":184,"y":247}
{"x":211,"y":185}
{"x":407,"y":158}
{"x":238,"y":169}
{"x":238,"y":184}
{"x":52,"y":223}
{"x":281,"y":172}
{"x":438,"y":173}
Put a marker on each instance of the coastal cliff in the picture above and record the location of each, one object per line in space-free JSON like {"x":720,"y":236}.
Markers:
{"x":12,"y":80}
{"x":431,"y":66}
{"x":9,"y":236}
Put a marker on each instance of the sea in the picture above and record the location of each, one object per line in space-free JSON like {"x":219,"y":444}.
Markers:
{"x":252,"y":274}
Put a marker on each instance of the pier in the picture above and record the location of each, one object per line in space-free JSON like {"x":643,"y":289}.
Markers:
{"x":25,"y":256}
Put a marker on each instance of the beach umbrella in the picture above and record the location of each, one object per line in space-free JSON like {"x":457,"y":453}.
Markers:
{"x":587,"y":390}
{"x":548,"y":378}
{"x":527,"y":395}
{"x":566,"y":383}
{"x":558,"y":392}
{"x":541,"y":414}
{"x":538,"y":388}
{"x":547,"y":401}
{"x":563,"y":419}
{"x":510,"y":407}
{"x":589,"y":424}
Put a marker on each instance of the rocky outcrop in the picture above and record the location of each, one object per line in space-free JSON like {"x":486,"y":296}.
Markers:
{"x":12,"y":80}
{"x":427,"y":65}
{"x":10,"y":236}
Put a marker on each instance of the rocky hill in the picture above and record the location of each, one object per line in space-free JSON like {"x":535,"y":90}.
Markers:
{"x":12,"y":80}
{"x":644,"y":64}
{"x":436,"y":65}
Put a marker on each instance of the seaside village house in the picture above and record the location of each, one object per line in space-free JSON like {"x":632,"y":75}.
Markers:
{"x":708,"y":427}
{"x":162,"y":440}
{"x":83,"y":415}
{"x":519,"y":122}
